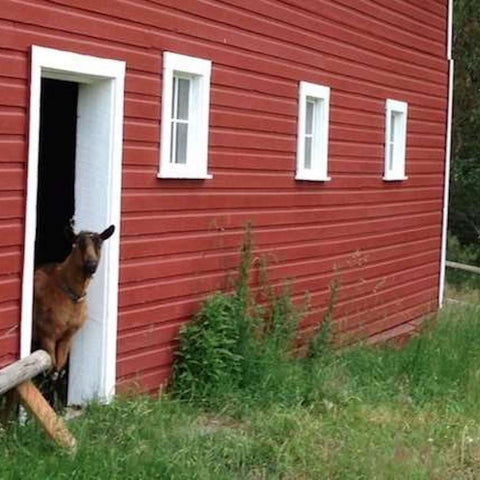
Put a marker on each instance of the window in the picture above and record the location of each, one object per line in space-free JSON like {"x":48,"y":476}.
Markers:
{"x":185,"y":112}
{"x":395,"y":140}
{"x":312,"y":142}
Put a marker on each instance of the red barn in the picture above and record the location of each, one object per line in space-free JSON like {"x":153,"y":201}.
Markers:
{"x":324,"y":123}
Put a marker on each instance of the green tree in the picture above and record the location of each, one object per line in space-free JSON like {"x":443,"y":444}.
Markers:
{"x":464,"y":212}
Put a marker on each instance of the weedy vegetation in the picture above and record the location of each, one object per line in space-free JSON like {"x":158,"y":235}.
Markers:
{"x":242,"y":345}
{"x":461,"y":285}
{"x":242,"y":405}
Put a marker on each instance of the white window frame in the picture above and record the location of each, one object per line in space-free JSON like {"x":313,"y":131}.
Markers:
{"x":98,"y":176}
{"x":395,"y":150}
{"x":318,"y":170}
{"x":198,"y":70}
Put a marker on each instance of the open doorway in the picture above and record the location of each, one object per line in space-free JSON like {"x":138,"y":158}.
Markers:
{"x":74,"y":172}
{"x":56,"y":191}
{"x":56,"y":169}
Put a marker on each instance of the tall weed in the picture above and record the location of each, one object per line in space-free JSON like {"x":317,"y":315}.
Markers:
{"x":243,"y":344}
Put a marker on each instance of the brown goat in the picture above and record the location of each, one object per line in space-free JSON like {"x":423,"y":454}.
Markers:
{"x":59,"y":296}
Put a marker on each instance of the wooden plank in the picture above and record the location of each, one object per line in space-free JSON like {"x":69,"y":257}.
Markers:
{"x":462,"y":266}
{"x":92,"y":26}
{"x":23,"y":370}
{"x":11,"y":205}
{"x":151,"y":223}
{"x":161,"y":200}
{"x":39,"y":408}
{"x":16,"y":378}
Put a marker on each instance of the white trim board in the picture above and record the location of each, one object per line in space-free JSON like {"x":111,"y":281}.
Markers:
{"x":446,"y":185}
{"x":448,"y":154}
{"x":99,"y":143}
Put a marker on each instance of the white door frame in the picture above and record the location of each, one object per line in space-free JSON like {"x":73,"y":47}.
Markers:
{"x":99,"y":144}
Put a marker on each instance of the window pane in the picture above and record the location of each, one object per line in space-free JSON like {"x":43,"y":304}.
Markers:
{"x":181,"y":143}
{"x":394,"y":138}
{"x":393,"y":125}
{"x":174,"y":97}
{"x":308,"y":153}
{"x":391,"y":147}
{"x":183,"y":98}
{"x":173,"y":132}
{"x":309,"y":117}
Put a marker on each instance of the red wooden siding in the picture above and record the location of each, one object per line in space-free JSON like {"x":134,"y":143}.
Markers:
{"x":180,"y":239}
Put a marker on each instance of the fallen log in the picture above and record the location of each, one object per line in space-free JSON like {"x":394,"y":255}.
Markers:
{"x":25,"y":369}
{"x":15,"y":380}
{"x":38,"y":407}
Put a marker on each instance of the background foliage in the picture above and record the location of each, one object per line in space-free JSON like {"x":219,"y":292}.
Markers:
{"x":464,"y":215}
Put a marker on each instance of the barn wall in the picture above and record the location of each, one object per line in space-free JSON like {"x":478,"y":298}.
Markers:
{"x":180,"y":239}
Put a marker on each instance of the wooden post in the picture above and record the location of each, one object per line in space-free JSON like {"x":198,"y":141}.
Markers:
{"x":462,"y":266}
{"x":17,"y":378}
{"x":38,"y":407}
{"x":23,"y":370}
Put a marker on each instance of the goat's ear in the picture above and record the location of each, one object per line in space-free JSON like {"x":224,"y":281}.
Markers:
{"x":107,"y":233}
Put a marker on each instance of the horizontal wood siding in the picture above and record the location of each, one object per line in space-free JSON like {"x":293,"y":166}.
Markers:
{"x":180,"y":239}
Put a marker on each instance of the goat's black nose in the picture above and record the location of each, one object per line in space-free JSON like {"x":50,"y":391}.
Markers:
{"x":90,"y":267}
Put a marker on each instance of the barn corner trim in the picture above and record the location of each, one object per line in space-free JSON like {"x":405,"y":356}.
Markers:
{"x":448,"y":153}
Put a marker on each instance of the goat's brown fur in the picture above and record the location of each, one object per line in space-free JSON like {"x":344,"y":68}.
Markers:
{"x":59,"y":293}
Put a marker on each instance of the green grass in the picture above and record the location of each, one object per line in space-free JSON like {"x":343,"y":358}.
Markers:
{"x":375,"y":413}
{"x":463,"y":286}
{"x":461,"y":283}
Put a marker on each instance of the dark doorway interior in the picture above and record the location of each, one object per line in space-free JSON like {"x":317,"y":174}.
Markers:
{"x":56,"y":193}
{"x":56,"y":169}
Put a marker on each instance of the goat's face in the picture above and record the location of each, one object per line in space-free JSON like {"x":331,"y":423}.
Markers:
{"x":87,"y":247}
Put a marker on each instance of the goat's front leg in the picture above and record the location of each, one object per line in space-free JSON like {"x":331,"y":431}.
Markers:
{"x":63,"y":349}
